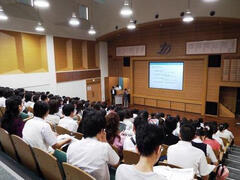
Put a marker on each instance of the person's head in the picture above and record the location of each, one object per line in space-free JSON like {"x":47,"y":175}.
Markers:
{"x":138,"y":121}
{"x":143,"y":114}
{"x":93,"y":124}
{"x":44,"y":98}
{"x":2,"y":89}
{"x":162,"y":115}
{"x":208,"y":131}
{"x":221,"y":127}
{"x":40,"y":109}
{"x":187,"y":132}
{"x":121,"y":115}
{"x":8,"y":93}
{"x":199,"y":132}
{"x":28,"y":96}
{"x":128,"y":114}
{"x":36,"y":98}
{"x":200,"y":120}
{"x":170,"y":124}
{"x":68,"y":110}
{"x":97,"y":106}
{"x":149,"y":138}
{"x":226,"y":125}
{"x":112,"y":124}
{"x":53,"y":106}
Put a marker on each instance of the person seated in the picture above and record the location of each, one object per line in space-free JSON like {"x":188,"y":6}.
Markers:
{"x":28,"y":100}
{"x":44,"y":98}
{"x":149,"y":138}
{"x":229,"y":133}
{"x":130,"y":141}
{"x":6,"y":93}
{"x":216,"y":137}
{"x":208,"y":130}
{"x":153,"y":120}
{"x":128,"y":120}
{"x":93,"y":154}
{"x":184,"y":155}
{"x":2,"y":98}
{"x":38,"y":133}
{"x":170,"y":124}
{"x":207,"y":149}
{"x":52,"y":118}
{"x":112,"y":131}
{"x":11,"y":120}
{"x":68,"y":122}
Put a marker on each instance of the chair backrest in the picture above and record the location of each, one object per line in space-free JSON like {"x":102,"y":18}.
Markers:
{"x":225,"y":141}
{"x":77,"y":135}
{"x":208,"y":160}
{"x":25,"y":120}
{"x":165,"y":148}
{"x":7,"y":143}
{"x":130,"y":157}
{"x":60,"y":130}
{"x":25,"y":153}
{"x":48,"y":165}
{"x":170,"y":165}
{"x":217,"y":153}
{"x":2,"y":111}
{"x":72,"y":172}
{"x":115,"y":148}
{"x":30,"y":109}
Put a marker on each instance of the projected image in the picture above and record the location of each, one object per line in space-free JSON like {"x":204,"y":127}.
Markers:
{"x":166,"y":75}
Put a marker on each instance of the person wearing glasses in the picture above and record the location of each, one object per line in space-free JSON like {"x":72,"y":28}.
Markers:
{"x":149,"y":138}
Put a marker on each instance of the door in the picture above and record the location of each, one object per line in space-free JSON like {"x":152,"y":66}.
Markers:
{"x":94,"y":90}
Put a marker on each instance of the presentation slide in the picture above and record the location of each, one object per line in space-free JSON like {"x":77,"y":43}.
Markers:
{"x":166,"y":75}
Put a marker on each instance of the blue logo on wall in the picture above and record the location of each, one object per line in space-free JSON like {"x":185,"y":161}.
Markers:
{"x":165,"y":48}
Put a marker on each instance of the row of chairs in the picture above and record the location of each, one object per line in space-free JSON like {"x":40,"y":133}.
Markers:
{"x":38,"y":161}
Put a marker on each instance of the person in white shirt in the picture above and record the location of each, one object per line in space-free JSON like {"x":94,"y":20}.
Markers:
{"x":229,"y":133}
{"x":28,"y":100}
{"x":6,"y":93}
{"x":93,"y":153}
{"x":37,"y":133}
{"x":216,"y":137}
{"x":53,"y":108}
{"x":184,"y":155}
{"x":2,"y":98}
{"x":68,"y":122}
{"x":149,"y":138}
{"x":222,"y":133}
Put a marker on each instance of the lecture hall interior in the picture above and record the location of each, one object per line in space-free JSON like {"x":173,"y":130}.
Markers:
{"x":178,"y":61}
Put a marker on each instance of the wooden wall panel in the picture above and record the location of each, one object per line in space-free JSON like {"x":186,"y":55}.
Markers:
{"x":91,"y":56}
{"x":178,"y":106}
{"x":60,"y":53}
{"x":228,"y":97}
{"x":163,"y":104}
{"x":195,"y":108}
{"x":151,"y":102}
{"x":138,"y":100}
{"x":77,"y":54}
{"x":214,"y":77}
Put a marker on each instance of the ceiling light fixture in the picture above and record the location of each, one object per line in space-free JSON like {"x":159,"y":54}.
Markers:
{"x":74,"y":20}
{"x":188,"y":17}
{"x":41,"y":3}
{"x":92,"y":31}
{"x":39,"y":28}
{"x":210,"y":1}
{"x":126,"y":10}
{"x":3,"y":16}
{"x":131,"y":25}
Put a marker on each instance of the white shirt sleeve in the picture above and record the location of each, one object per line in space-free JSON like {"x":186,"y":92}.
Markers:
{"x":48,"y":135}
{"x":211,"y":154}
{"x":112,"y":156}
{"x":128,"y":145}
{"x":74,"y":126}
{"x":204,"y":170}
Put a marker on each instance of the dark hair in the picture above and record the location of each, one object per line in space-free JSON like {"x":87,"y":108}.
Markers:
{"x":148,"y":138}
{"x":93,"y":123}
{"x":53,"y":106}
{"x":40,"y":109}
{"x":8,"y":93}
{"x":112,"y":124}
{"x":28,"y":96}
{"x":68,"y":109}
{"x":11,"y":113}
{"x":187,"y":132}
{"x":170,"y":124}
{"x":226,"y":125}
{"x":128,"y":114}
{"x":209,"y":131}
{"x":121,"y":115}
{"x":199,"y":131}
{"x":221,"y":127}
{"x":143,"y":114}
{"x":44,"y":97}
{"x":36,"y":98}
{"x":162,"y":115}
{"x":138,"y":121}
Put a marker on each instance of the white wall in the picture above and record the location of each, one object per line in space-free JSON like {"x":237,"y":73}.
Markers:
{"x":103,"y":55}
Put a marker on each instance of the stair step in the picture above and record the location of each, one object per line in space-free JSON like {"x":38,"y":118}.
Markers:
{"x":233,"y":164}
{"x":234,"y":157}
{"x":237,"y":153}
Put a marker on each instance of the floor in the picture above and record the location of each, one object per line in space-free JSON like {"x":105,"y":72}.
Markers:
{"x":232,"y":122}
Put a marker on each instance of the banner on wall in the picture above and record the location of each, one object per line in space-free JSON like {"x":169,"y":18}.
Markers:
{"x":131,"y":51}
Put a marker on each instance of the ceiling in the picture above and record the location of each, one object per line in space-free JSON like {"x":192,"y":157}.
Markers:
{"x":104,"y":14}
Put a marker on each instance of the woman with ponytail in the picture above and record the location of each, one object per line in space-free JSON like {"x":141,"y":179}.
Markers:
{"x":11,"y":120}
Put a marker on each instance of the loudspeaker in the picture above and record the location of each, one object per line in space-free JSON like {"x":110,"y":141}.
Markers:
{"x":211,"y":108}
{"x":126,"y":61}
{"x":214,"y":60}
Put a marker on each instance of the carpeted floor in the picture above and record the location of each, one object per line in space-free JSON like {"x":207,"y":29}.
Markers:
{"x":233,"y":163}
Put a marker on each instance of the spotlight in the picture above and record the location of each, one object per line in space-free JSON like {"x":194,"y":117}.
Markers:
{"x":188,"y":17}
{"x":74,"y":20}
{"x":131,"y":25}
{"x":41,"y":3}
{"x":3,"y":16}
{"x":92,"y":31}
{"x":126,"y":10}
{"x":39,"y":28}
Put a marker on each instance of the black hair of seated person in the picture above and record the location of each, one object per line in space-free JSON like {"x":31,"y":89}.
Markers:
{"x":148,"y":138}
{"x":196,"y":124}
{"x":214,"y":127}
{"x":153,"y":115}
{"x":11,"y":112}
{"x":79,"y":106}
{"x":121,"y":115}
{"x":128,"y":114}
{"x":97,"y":106}
{"x":178,"y":118}
{"x":40,"y":109}
{"x":2,"y":89}
{"x":44,"y":97}
{"x":187,"y":132}
{"x":221,"y":127}
{"x":226,"y":125}
{"x":53,"y":106}
{"x":8,"y":93}
{"x":170,"y":124}
{"x":36,"y":98}
{"x":118,"y":108}
{"x":68,"y":109}
{"x":28,"y":96}
{"x":138,"y":121}
{"x":209,"y":131}
{"x":19,"y":90}
{"x":162,"y":115}
{"x":93,"y":123}
{"x":21,"y":94}
{"x":143,"y":114}
{"x":199,"y":131}
{"x":200,"y":120}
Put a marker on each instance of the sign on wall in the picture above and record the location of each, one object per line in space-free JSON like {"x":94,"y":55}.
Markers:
{"x":212,"y":47}
{"x":131,"y":51}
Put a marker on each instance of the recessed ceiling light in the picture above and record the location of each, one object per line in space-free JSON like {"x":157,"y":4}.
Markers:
{"x":74,"y":20}
{"x":92,"y":31}
{"x":39,"y":28}
{"x":188,"y":17}
{"x":3,"y":16}
{"x":41,"y":3}
{"x":126,"y":10}
{"x":210,"y":1}
{"x":131,"y":25}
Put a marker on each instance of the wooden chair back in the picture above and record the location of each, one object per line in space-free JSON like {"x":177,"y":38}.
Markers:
{"x":25,"y":153}
{"x":72,"y":172}
{"x":60,"y":130}
{"x":77,"y":135}
{"x":217,"y":153}
{"x":170,"y":165}
{"x":225,"y":141}
{"x":115,"y":149}
{"x":30,"y":109}
{"x":165,"y":148}
{"x":7,"y":143}
{"x":25,"y":120}
{"x":2,"y":111}
{"x":48,"y":165}
{"x":208,"y":160}
{"x":130,"y":157}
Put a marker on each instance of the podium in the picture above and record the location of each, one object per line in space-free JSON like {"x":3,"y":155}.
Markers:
{"x":119,"y":97}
